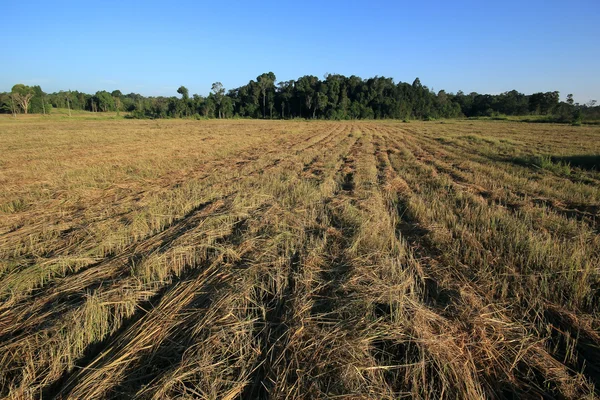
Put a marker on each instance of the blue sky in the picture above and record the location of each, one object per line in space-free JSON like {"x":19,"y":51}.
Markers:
{"x":154,"y":47}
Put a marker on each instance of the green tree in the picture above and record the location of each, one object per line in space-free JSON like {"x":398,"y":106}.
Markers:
{"x":68,"y":99}
{"x":266,"y":83}
{"x":183,"y":91}
{"x":7,"y":104}
{"x":185,"y":105}
{"x":38,"y":104}
{"x":117,"y":95}
{"x":285,"y":92}
{"x":322,"y":101}
{"x":22,"y":95}
{"x":306,"y":86}
{"x":209,"y":106}
{"x":218,"y":92}
{"x":227,"y":107}
{"x":543,"y":103}
{"x":570,"y":100}
{"x":104,"y":101}
{"x":5,"y":100}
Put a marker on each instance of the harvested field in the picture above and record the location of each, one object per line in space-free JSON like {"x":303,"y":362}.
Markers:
{"x":161,"y":259}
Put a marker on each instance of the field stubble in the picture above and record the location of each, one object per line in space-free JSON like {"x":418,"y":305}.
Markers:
{"x":249,"y":259}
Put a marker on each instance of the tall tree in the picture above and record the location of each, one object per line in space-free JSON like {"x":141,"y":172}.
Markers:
{"x":266,"y":82}
{"x":68,"y":98}
{"x":570,"y":100}
{"x":116,"y":94}
{"x":184,"y":92}
{"x":307,"y":87}
{"x":218,"y":92}
{"x":286,"y":92}
{"x":104,"y":101}
{"x":22,"y":95}
{"x":37,"y":104}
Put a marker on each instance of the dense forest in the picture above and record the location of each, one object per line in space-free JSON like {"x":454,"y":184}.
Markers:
{"x":334,"y":97}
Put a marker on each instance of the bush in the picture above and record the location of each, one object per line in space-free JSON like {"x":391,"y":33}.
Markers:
{"x":137,"y":114}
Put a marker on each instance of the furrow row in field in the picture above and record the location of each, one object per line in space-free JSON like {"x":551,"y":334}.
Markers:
{"x":271,"y":296}
{"x":78,"y":222}
{"x":64,"y":329}
{"x":463,"y":277}
{"x":132,"y":293}
{"x":334,"y":358}
{"x":573,"y":343}
{"x":283,"y":328}
{"x":523,"y":179}
{"x":474,"y":177}
{"x":193,"y":194}
{"x":423,"y":341}
{"x":511,"y":190}
{"x":173,"y":232}
{"x":164,"y":332}
{"x":573,"y":255}
{"x":71,"y":290}
{"x":260,"y":152}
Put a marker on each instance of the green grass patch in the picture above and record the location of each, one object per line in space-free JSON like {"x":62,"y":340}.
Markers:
{"x":545,"y":162}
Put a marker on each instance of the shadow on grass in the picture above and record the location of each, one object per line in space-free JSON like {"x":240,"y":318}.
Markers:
{"x":561,"y":165}
{"x":589,"y":161}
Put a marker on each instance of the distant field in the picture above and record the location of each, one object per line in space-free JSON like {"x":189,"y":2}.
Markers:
{"x":272,"y":259}
{"x":58,"y":113}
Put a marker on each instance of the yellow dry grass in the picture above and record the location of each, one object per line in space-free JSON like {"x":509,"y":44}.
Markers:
{"x":277,"y":259}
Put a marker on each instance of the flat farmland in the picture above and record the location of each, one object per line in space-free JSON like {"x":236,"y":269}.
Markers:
{"x":248,"y":259}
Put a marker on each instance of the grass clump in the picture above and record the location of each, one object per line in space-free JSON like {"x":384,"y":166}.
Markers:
{"x":547,"y":163}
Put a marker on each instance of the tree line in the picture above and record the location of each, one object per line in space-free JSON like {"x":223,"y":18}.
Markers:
{"x":333,"y":97}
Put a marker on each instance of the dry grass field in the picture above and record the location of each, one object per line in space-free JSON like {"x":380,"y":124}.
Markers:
{"x":161,"y":259}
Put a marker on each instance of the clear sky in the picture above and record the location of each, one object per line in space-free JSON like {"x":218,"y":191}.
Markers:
{"x":153,"y":47}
